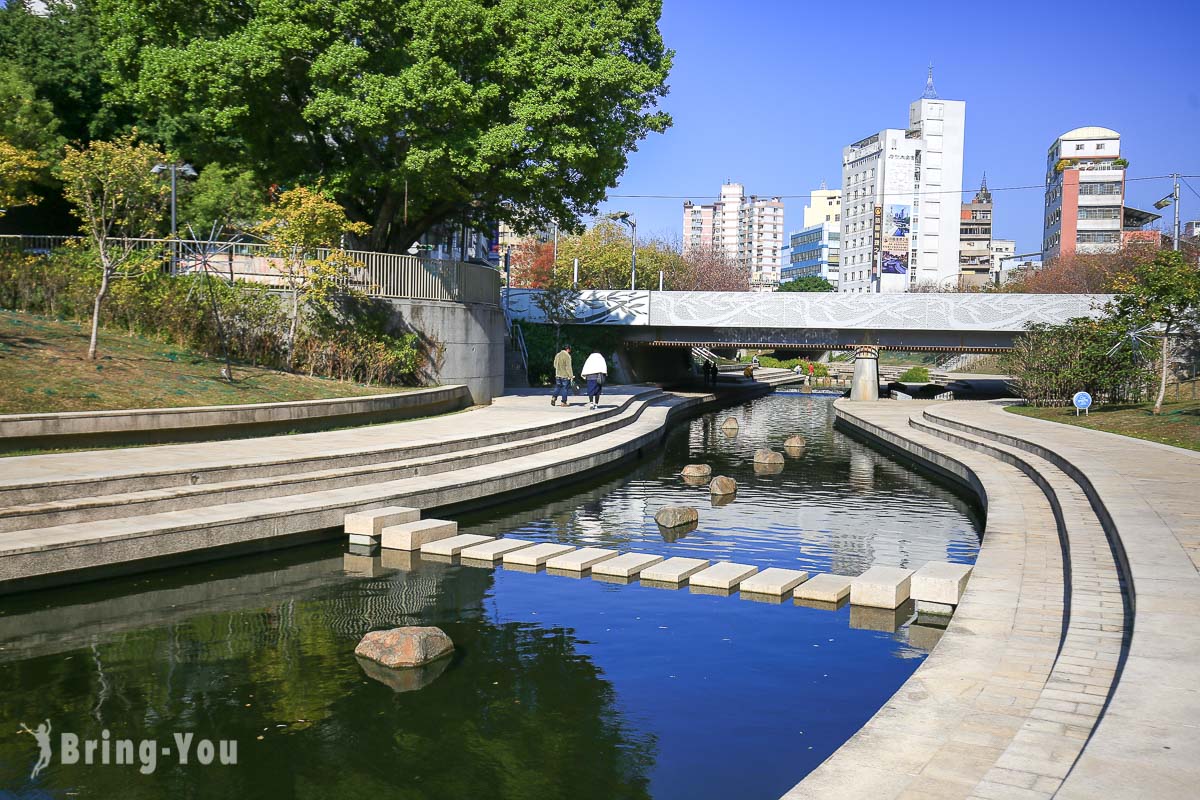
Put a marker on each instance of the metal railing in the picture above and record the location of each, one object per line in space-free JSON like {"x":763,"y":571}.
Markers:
{"x":384,"y":275}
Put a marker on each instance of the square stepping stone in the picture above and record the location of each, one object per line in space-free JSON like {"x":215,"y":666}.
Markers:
{"x":773,"y":581}
{"x":723,"y":575}
{"x":365,"y":527}
{"x":881,"y":587}
{"x":673,"y":570}
{"x":824,"y":588}
{"x":493,"y":550}
{"x":454,"y":544}
{"x":413,"y":535}
{"x":940,"y":582}
{"x":537,"y":555}
{"x":580,"y":560}
{"x":626,"y":565}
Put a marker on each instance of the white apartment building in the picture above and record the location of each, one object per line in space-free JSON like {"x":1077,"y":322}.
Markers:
{"x":746,"y":229}
{"x":901,"y":192}
{"x":1085,"y":193}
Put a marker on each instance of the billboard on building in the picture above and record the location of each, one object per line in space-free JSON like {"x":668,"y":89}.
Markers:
{"x":897,"y":232}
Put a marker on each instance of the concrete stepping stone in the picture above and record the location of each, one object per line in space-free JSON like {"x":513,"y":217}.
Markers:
{"x":940,"y":582}
{"x":673,"y":570}
{"x":493,"y":550}
{"x":626,"y":565}
{"x":773,"y":581}
{"x":824,"y":588}
{"x":454,"y":545}
{"x":723,"y":575}
{"x":412,"y":535}
{"x":881,"y":587}
{"x":581,"y":560}
{"x":365,"y":527}
{"x":537,"y":555}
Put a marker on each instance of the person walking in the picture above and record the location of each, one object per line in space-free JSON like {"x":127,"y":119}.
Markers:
{"x":595,"y":372}
{"x":564,"y":373}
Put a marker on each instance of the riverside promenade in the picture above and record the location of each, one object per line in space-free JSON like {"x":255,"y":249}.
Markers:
{"x":1071,"y":669}
{"x":65,"y":516}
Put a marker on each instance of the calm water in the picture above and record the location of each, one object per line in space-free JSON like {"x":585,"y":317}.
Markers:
{"x":559,"y":687}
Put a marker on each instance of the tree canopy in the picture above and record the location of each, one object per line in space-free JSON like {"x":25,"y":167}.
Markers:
{"x":414,"y":112}
{"x":809,"y":283}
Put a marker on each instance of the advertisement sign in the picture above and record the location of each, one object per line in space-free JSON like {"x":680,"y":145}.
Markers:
{"x":897,"y":231}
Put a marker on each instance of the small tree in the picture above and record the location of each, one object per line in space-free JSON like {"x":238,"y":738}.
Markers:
{"x":117,"y":199}
{"x":300,"y":222}
{"x":810,"y":283}
{"x":557,"y":301}
{"x":1165,"y":291}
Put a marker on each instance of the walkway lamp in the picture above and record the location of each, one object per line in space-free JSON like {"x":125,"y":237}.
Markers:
{"x":176,"y":169}
{"x":627,"y":218}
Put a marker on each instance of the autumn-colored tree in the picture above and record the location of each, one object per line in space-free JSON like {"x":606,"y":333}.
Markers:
{"x":710,"y":270}
{"x":117,"y":199}
{"x":299,"y":223}
{"x":1091,"y":273}
{"x":19,"y":171}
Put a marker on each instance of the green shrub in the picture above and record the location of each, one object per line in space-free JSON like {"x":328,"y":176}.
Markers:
{"x":915,"y":375}
{"x":819,"y":370}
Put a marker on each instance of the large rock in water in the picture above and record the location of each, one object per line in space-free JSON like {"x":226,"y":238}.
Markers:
{"x":795,"y":443}
{"x":676,"y":516}
{"x":696,"y":471}
{"x":722,"y":485}
{"x":765,"y":456}
{"x":410,"y":646}
{"x":730,"y":424}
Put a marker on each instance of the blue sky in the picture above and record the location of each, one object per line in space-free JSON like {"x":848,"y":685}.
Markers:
{"x":767,"y":92}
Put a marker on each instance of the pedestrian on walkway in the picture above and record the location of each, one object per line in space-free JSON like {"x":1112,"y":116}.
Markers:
{"x":595,"y":372}
{"x":564,"y":373}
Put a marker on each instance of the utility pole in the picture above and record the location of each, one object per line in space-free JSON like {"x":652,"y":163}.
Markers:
{"x":1175,"y":235}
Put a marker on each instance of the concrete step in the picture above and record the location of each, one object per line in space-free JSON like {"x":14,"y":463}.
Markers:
{"x":415,"y":535}
{"x":304,"y":453}
{"x":153,"y":501}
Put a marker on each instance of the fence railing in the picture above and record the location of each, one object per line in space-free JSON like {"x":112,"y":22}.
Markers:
{"x":384,"y":275}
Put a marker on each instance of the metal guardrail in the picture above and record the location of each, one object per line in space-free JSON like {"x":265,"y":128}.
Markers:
{"x":383,"y":275}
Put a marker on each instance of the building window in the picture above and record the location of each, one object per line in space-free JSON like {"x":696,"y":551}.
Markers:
{"x":1100,"y":212}
{"x":1105,"y":187}
{"x":1098,"y":237}
{"x":1078,"y":148}
{"x":1100,"y":146}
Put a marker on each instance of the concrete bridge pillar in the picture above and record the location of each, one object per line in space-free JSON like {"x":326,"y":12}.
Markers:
{"x":866,"y":373}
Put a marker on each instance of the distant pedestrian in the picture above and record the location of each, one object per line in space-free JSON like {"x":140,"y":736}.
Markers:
{"x":754,"y":362}
{"x":564,"y":373}
{"x":595,"y":372}
{"x":811,"y":371}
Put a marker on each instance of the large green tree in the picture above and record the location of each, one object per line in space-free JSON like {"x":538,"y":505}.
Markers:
{"x":809,"y":283}
{"x":413,"y":112}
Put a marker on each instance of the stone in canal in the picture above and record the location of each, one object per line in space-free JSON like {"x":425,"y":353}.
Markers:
{"x":730,"y":424}
{"x":537,"y":555}
{"x":765,"y":456}
{"x":626,"y":565}
{"x":581,"y":560}
{"x":493,"y":551}
{"x":940,"y":583}
{"x":365,"y":527}
{"x":676,"y":517}
{"x":795,"y":443}
{"x":722,"y":485}
{"x":674,"y":570}
{"x":881,"y":587}
{"x":696,"y":471}
{"x":411,"y":535}
{"x":453,"y":545}
{"x":410,"y":646}
{"x":774,"y":581}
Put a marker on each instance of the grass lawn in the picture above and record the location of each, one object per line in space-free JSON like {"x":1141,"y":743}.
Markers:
{"x":44,"y":367}
{"x":1178,"y":425}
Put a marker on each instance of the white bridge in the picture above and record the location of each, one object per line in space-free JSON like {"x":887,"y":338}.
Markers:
{"x":977,"y":323}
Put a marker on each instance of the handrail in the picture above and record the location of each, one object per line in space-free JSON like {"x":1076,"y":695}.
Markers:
{"x":383,"y":275}
{"x":519,"y":338}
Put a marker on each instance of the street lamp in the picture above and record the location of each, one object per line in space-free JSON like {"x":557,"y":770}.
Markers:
{"x":1172,"y":199}
{"x":176,"y":169}
{"x":627,"y":218}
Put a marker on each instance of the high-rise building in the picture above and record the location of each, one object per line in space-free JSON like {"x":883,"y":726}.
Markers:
{"x":748,"y":230}
{"x":901,"y":191}
{"x":975,"y":257}
{"x":1085,"y":193}
{"x":814,"y":250}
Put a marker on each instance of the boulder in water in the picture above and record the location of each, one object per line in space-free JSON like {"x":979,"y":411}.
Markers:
{"x":765,"y":456}
{"x":676,"y":516}
{"x":410,"y":646}
{"x":723,"y":485}
{"x":696,"y":471}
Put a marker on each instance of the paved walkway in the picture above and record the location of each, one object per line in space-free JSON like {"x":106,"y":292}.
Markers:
{"x":1035,"y":692}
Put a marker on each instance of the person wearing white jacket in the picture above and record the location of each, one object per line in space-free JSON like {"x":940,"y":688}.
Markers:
{"x":594,"y":371}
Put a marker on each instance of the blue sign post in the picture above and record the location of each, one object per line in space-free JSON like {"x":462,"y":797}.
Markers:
{"x":1081,"y":401}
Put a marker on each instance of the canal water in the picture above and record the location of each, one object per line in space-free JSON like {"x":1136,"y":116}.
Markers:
{"x":559,"y":688}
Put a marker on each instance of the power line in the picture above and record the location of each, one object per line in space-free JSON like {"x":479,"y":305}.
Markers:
{"x":810,"y":195}
{"x":1185,"y":183}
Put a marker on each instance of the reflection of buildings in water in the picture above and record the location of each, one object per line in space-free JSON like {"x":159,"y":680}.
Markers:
{"x":862,"y":470}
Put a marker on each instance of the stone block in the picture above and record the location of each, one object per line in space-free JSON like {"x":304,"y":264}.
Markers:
{"x":412,"y":535}
{"x":453,"y":545}
{"x":824,"y":588}
{"x":370,"y":524}
{"x":881,"y":587}
{"x":774,"y":581}
{"x":940,"y":582}
{"x":537,"y":555}
{"x":934,"y":609}
{"x":722,"y":575}
{"x":493,"y":550}
{"x":673,"y":570}
{"x":581,"y":560}
{"x":626,"y":565}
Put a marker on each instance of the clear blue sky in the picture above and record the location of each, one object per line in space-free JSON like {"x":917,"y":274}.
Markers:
{"x":767,"y":92}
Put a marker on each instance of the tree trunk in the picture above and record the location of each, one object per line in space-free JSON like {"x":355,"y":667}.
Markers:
{"x":96,"y":314}
{"x":291,"y":342}
{"x":1162,"y":385}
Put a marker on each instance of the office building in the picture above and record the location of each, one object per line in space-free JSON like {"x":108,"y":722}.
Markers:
{"x":814,"y":250}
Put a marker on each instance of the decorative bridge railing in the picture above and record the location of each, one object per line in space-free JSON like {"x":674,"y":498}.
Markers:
{"x":384,"y":275}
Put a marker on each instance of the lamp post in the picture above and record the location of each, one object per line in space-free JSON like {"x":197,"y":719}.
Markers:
{"x":176,"y":169}
{"x":627,"y":218}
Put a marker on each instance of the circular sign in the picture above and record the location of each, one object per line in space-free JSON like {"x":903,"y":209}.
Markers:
{"x":1082,"y":400}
